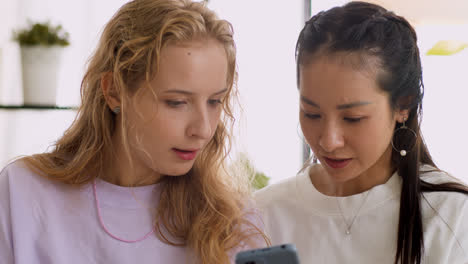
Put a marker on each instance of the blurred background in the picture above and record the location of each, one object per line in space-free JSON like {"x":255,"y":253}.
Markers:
{"x":267,"y":131}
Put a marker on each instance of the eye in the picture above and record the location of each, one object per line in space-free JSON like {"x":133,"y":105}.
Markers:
{"x":174,"y":103}
{"x":353,"y":119}
{"x":312,"y":116}
{"x":215,"y":102}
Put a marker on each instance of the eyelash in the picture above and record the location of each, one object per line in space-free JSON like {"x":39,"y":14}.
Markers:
{"x":353,"y":119}
{"x":312,"y":116}
{"x":347,"y":119}
{"x":174,"y":104}
{"x":215,"y":102}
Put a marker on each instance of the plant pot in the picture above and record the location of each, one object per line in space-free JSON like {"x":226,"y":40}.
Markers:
{"x":41,"y":65}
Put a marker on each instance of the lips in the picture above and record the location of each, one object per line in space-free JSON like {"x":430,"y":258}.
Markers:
{"x":186,"y":154}
{"x":337,"y":163}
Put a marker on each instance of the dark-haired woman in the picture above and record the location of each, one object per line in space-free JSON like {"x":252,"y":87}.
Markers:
{"x":375,"y":196}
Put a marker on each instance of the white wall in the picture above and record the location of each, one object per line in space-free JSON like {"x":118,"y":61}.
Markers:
{"x":26,"y":132}
{"x":445,"y":112}
{"x":266,"y":33}
{"x":10,"y":80}
{"x":424,"y":11}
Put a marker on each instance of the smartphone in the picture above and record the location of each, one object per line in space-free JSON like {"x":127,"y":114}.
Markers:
{"x":280,"y":254}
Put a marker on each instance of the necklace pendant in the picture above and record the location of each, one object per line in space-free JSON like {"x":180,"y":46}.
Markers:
{"x":348,"y":232}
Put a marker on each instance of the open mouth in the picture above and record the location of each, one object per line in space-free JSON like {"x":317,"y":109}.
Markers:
{"x":337,"y":163}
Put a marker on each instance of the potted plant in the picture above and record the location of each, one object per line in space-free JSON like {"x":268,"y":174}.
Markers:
{"x":42,"y":46}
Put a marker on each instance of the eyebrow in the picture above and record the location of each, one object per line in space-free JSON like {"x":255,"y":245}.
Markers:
{"x":309,"y":102}
{"x":339,"y":107}
{"x":178,"y":91}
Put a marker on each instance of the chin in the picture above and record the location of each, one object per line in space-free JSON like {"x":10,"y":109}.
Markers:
{"x":342,"y":175}
{"x":174,"y":175}
{"x":177,"y":171}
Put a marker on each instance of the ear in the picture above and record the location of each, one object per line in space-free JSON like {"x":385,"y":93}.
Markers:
{"x":403,"y":105}
{"x":402,"y":115}
{"x":109,"y":91}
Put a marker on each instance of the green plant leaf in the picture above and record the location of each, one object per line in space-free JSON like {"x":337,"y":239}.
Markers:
{"x":42,"y":34}
{"x":447,"y":47}
{"x":260,"y":180}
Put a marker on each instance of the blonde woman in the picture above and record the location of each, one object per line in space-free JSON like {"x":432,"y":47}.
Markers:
{"x":138,"y":177}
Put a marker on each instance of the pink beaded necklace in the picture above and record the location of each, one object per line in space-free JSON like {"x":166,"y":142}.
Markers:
{"x":104,"y":227}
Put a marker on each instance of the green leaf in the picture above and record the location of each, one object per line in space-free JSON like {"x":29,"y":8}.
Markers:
{"x":447,"y":47}
{"x":42,"y":34}
{"x":260,"y":180}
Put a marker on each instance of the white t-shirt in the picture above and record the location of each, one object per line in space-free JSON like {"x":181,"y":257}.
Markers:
{"x":294,"y":211}
{"x":46,"y":222}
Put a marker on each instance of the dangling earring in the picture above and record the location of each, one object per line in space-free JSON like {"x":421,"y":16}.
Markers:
{"x":116,"y":110}
{"x":403,"y":129}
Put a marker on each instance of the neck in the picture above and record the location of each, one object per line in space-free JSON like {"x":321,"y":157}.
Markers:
{"x":377,"y":174}
{"x":120,"y":171}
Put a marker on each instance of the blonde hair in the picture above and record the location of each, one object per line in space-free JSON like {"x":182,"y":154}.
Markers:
{"x":202,"y":210}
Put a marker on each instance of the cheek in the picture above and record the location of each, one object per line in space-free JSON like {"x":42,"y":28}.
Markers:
{"x":159,"y":130}
{"x":309,"y":130}
{"x":215,"y":118}
{"x":372,"y":139}
{"x":166,"y":126}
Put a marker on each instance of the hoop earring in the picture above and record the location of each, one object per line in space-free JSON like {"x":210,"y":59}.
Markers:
{"x":403,"y":129}
{"x":116,"y":110}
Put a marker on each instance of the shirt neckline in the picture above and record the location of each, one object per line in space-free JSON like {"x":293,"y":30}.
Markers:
{"x":111,"y":195}
{"x":322,"y":204}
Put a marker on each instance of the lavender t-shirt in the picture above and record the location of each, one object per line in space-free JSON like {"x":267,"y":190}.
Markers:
{"x":42,"y":221}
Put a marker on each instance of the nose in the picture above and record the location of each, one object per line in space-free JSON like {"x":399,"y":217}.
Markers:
{"x":331,"y":138}
{"x":200,"y":125}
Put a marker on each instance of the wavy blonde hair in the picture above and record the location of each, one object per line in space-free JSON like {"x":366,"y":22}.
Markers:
{"x":202,"y":210}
